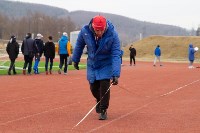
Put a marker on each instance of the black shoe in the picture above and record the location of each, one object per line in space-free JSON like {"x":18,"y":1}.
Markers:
{"x":14,"y":73}
{"x":9,"y":73}
{"x":103,"y":115}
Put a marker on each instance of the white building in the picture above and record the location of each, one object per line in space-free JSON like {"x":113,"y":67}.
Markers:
{"x":73,"y":38}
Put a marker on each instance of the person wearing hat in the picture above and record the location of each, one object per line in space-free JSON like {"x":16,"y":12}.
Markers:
{"x":13,"y":51}
{"x":103,"y":62}
{"x":38,"y":51}
{"x":157,"y":53}
{"x":132,"y":55}
{"x":64,"y":51}
{"x":27,"y":51}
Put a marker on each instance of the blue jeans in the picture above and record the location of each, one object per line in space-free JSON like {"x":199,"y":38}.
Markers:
{"x":37,"y":61}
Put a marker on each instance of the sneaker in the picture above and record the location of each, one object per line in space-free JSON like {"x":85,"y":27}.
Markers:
{"x":154,"y":65}
{"x":24,"y":71}
{"x":46,"y":72}
{"x":34,"y":70}
{"x":161,"y":65}
{"x":9,"y":73}
{"x":65,"y":73}
{"x":50,"y":71}
{"x":37,"y":71}
{"x":14,"y":73}
{"x":103,"y":115}
{"x":29,"y":73}
{"x":59,"y":71}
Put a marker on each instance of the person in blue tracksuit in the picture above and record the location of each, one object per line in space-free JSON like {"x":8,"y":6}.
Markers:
{"x":191,"y":57}
{"x":157,"y":53}
{"x":103,"y":62}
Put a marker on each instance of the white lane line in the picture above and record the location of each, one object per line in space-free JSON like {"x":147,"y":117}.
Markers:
{"x":180,"y":88}
{"x":28,"y":116}
{"x":125,"y":115}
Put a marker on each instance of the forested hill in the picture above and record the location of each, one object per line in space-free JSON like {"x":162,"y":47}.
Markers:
{"x":19,"y":9}
{"x":130,"y":30}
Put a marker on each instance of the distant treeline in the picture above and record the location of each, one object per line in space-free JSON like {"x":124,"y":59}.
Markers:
{"x":34,"y":23}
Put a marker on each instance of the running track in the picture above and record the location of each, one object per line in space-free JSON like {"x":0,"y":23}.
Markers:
{"x":148,"y":100}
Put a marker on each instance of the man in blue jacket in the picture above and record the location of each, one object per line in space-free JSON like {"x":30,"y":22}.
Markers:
{"x":103,"y":62}
{"x":157,"y":53}
{"x":191,"y":58}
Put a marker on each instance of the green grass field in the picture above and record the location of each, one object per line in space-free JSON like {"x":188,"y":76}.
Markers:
{"x":19,"y":66}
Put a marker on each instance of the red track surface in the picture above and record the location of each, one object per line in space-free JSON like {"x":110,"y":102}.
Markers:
{"x":149,"y":100}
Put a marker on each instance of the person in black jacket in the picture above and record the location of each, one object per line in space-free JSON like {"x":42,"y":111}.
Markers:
{"x":27,"y":51}
{"x":38,"y":51}
{"x":49,"y":53}
{"x":13,"y":51}
{"x":132,"y":55}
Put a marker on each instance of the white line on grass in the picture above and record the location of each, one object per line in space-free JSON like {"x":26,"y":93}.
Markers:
{"x":125,"y":115}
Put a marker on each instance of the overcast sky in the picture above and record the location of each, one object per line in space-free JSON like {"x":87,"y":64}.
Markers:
{"x":183,"y":13}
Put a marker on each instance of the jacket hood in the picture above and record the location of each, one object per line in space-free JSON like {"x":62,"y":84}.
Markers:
{"x":190,"y":46}
{"x":63,"y":38}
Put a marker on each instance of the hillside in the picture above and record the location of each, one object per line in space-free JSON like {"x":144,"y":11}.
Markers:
{"x":172,"y":47}
{"x":129,"y":29}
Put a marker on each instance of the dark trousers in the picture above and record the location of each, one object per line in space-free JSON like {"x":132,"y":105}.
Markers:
{"x":63,"y":61}
{"x":28,"y":61}
{"x":12,"y":65}
{"x":98,"y":89}
{"x":132,"y":58}
{"x":47,"y":62}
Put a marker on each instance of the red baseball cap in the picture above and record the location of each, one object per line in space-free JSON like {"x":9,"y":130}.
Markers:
{"x":99,"y":23}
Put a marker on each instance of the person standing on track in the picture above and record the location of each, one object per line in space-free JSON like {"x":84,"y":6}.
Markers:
{"x":38,"y":51}
{"x":64,"y":51}
{"x":13,"y":51}
{"x":27,"y":51}
{"x":132,"y":55}
{"x":191,"y":57}
{"x":157,"y":53}
{"x":49,"y":53}
{"x":103,"y":62}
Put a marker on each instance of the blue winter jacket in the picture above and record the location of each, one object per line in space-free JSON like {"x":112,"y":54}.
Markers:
{"x":157,"y":51}
{"x":191,"y":52}
{"x":63,"y":45}
{"x":103,"y":60}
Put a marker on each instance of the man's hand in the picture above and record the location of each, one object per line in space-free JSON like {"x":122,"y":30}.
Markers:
{"x":76,"y":65}
{"x":115,"y":81}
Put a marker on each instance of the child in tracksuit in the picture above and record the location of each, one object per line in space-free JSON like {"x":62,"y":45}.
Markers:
{"x":38,"y":50}
{"x":49,"y":53}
